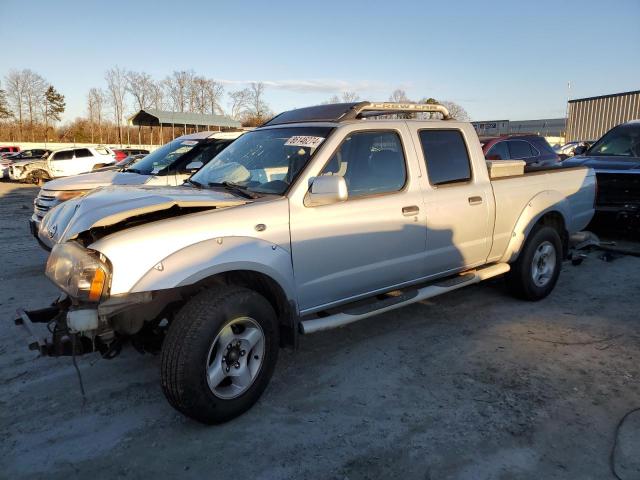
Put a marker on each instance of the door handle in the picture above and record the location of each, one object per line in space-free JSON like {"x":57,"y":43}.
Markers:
{"x":411,"y":210}
{"x":475,"y":200}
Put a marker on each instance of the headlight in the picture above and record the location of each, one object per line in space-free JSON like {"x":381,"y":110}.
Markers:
{"x":78,"y":271}
{"x":65,"y":195}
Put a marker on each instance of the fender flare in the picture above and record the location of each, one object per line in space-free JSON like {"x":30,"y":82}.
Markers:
{"x":220,"y":255}
{"x":541,"y":204}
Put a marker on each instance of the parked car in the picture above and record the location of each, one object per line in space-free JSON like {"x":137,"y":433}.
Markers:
{"x":315,"y":220}
{"x":8,"y":160}
{"x":616,"y":160}
{"x":533,"y":149}
{"x":170,"y":164}
{"x":122,"y":164}
{"x":62,"y":163}
{"x":122,"y":153}
{"x":8,"y":150}
{"x":568,"y":149}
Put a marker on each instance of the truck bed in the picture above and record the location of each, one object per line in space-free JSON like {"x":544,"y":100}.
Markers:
{"x":514,"y":194}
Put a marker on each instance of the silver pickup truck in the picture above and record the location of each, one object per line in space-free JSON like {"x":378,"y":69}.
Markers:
{"x":323,"y":216}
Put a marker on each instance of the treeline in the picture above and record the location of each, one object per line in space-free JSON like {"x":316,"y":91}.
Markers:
{"x":31,"y":108}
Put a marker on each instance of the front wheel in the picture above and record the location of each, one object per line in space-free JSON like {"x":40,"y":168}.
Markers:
{"x":535,"y":273}
{"x":219,"y":353}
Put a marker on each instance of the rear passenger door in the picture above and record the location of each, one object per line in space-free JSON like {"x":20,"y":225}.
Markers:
{"x":458,"y":201}
{"x":373,"y":240}
{"x":84,"y":161}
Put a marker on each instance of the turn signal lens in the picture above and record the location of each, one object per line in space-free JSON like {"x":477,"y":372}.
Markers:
{"x":97,"y":285}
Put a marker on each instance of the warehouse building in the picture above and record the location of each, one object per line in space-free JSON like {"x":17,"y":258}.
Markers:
{"x":590,"y":118}
{"x":546,"y":127}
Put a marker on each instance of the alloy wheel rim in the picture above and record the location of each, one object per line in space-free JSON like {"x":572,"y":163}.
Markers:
{"x":543,"y":264}
{"x":235,"y":358}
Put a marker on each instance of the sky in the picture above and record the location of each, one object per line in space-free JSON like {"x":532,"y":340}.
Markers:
{"x":498,"y":59}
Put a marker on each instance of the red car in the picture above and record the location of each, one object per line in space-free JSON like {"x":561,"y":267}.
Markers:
{"x":8,"y":150}
{"x":122,"y":153}
{"x":533,"y":149}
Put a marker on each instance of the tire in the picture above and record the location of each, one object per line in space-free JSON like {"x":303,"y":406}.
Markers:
{"x":194,"y":348}
{"x":535,"y":273}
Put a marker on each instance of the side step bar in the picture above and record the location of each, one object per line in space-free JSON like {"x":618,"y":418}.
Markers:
{"x":429,"y":291}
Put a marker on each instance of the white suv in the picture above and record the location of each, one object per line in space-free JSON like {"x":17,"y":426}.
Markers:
{"x":73,"y":161}
{"x":62,"y":163}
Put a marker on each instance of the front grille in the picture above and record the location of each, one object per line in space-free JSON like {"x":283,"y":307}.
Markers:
{"x":618,"y":189}
{"x":44,"y":202}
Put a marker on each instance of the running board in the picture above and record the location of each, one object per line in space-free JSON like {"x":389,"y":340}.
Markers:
{"x":429,"y":291}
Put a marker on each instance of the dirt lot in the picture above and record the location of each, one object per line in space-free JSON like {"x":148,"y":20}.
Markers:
{"x":472,"y":385}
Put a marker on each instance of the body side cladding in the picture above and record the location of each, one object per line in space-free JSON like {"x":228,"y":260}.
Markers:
{"x":257,"y":264}
{"x":544,"y":203}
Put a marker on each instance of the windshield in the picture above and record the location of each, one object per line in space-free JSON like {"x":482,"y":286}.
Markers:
{"x":264,"y":161}
{"x":622,"y":141}
{"x":163,"y":156}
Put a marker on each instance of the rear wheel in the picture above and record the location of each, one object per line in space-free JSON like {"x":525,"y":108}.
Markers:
{"x":219,"y":353}
{"x":535,"y":273}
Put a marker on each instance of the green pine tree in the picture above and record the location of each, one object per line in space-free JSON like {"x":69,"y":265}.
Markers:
{"x":54,"y":104}
{"x":5,"y":112}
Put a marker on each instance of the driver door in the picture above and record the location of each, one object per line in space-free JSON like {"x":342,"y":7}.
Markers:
{"x":373,"y":240}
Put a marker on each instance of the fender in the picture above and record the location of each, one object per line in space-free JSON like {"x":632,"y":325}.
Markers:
{"x":210,"y":257}
{"x":544,"y":202}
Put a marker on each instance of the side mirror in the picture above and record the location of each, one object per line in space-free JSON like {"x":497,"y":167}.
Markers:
{"x":193,"y":166}
{"x":327,"y":189}
{"x":580,"y":149}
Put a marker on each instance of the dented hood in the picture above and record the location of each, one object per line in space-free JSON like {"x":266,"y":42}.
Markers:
{"x":88,"y":181}
{"x":110,"y":205}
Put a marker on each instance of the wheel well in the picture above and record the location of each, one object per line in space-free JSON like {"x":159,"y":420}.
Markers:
{"x":556,"y":220}
{"x":269,"y":289}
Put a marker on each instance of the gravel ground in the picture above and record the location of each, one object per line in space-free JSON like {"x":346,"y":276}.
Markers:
{"x":471,"y":385}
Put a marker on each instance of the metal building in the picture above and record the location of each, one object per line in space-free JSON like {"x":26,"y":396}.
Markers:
{"x":546,"y":127}
{"x":590,"y":118}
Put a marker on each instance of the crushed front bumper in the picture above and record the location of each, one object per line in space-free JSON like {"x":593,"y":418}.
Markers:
{"x":60,"y":342}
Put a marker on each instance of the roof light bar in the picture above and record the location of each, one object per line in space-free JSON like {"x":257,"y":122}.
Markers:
{"x":402,"y":107}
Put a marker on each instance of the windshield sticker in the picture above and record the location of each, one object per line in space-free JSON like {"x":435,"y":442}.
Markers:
{"x":189,"y":142}
{"x":304,"y":141}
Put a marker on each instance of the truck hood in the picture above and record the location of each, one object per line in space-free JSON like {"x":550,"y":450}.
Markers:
{"x":599,"y":163}
{"x":88,"y":181}
{"x":114,"y":204}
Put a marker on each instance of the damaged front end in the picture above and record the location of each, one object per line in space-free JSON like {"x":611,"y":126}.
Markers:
{"x":63,"y":340}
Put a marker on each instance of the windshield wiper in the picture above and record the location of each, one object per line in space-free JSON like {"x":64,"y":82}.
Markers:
{"x":198,"y":185}
{"x":235,"y":188}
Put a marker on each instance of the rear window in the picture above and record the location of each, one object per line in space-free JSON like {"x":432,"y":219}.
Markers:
{"x":499,"y":151}
{"x":446,"y":156}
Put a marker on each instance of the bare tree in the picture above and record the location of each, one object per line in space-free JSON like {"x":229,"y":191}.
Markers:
{"x":399,"y":96}
{"x":16,"y":95}
{"x":257,"y":105}
{"x":456,"y":110}
{"x":178,"y":88}
{"x":157,"y":100}
{"x":215,"y":91}
{"x":349,"y":97}
{"x":34,"y":91}
{"x":332,"y":99}
{"x":240,"y":102}
{"x":95,"y":104}
{"x":141,"y":87}
{"x":117,"y":89}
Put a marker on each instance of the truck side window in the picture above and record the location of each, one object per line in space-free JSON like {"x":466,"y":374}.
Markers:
{"x":446,"y":156}
{"x":370,"y":162}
